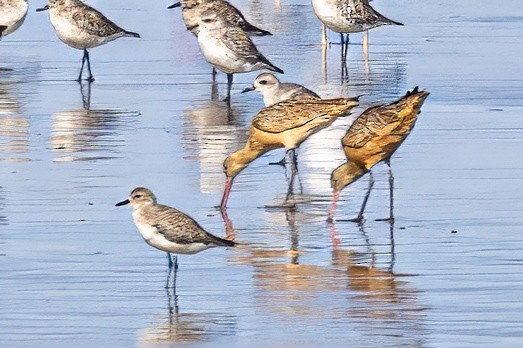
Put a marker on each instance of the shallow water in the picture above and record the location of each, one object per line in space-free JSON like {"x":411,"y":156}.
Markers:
{"x":75,"y":270}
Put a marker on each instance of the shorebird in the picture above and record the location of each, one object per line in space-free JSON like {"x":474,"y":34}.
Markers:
{"x":274,"y":91}
{"x":373,"y":138}
{"x":82,"y":27}
{"x":349,"y":16}
{"x":12,"y":15}
{"x":229,"y":49}
{"x":192,"y":11}
{"x":168,"y":229}
{"x":286,"y":124}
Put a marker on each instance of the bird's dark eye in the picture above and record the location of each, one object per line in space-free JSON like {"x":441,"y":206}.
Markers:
{"x":263,"y":82}
{"x":207,"y":20}
{"x":137,"y":196}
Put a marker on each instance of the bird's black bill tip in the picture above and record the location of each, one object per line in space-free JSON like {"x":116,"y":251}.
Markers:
{"x":122,"y":203}
{"x":248,"y":89}
{"x":45,"y":8}
{"x":175,"y":5}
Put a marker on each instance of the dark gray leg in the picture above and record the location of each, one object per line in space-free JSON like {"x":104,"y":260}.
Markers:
{"x":90,"y":78}
{"x":391,"y":195}
{"x":359,"y":218}
{"x":229,"y":86}
{"x":79,"y":79}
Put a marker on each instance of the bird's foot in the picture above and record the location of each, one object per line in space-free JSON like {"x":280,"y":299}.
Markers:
{"x":90,"y":79}
{"x":282,"y":163}
{"x":358,"y":219}
{"x":389,"y":219}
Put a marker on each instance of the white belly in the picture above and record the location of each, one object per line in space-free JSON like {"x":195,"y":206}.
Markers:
{"x":220,"y":56}
{"x":156,"y":240}
{"x":12,"y":16}
{"x":329,"y":14}
{"x":70,"y":34}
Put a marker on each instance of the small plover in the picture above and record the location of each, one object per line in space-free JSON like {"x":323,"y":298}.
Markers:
{"x":82,"y":27}
{"x":168,"y":229}
{"x":12,"y":15}
{"x":229,"y":48}
{"x":285,"y":124}
{"x":372,"y":138}
{"x":349,"y":16}
{"x":192,"y":10}
{"x":274,"y":91}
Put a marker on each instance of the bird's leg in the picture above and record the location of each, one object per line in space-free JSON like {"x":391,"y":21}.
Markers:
{"x":175,"y":269}
{"x":391,"y":196}
{"x":359,"y":218}
{"x":79,"y":79}
{"x":342,"y":37}
{"x":214,"y":75}
{"x":324,"y":39}
{"x":169,"y":271}
{"x":90,"y":78}
{"x":346,"y":46}
{"x":229,"y":86}
{"x":294,"y":162}
{"x":281,"y":162}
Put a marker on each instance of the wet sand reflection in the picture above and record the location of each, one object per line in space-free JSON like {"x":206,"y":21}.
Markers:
{"x":14,"y":126}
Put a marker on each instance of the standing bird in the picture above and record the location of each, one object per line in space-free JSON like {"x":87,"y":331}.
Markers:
{"x":274,"y":91}
{"x":373,"y":138}
{"x":82,"y":27}
{"x":192,"y":11}
{"x":286,"y":124}
{"x":168,"y":229}
{"x":349,"y":16}
{"x":229,"y":49}
{"x":12,"y":15}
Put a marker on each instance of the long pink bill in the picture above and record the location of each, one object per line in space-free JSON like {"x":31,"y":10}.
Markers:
{"x":226,"y":192}
{"x":332,"y":209}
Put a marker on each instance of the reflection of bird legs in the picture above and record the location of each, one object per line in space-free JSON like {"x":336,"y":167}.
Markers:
{"x":214,"y":90}
{"x":173,"y":268}
{"x":86,"y":97}
{"x":85,"y":58}
{"x":391,"y":195}
{"x":324,"y":60}
{"x":172,"y":303}
{"x":229,"y":229}
{"x":290,"y":215}
{"x":324,"y":39}
{"x":366,"y":52}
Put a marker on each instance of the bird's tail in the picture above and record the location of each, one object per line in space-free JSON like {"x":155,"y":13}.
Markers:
{"x":269,"y":65}
{"x":390,"y":21}
{"x":131,"y":34}
{"x":251,"y":29}
{"x":223,"y":242}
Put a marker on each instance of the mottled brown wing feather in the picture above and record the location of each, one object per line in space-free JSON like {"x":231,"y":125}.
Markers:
{"x":295,"y":113}
{"x":241,"y":44}
{"x":94,"y":23}
{"x":180,"y":228}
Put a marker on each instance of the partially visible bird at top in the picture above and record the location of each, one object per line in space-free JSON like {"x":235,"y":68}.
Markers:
{"x":229,"y":49}
{"x":12,"y":15}
{"x":274,"y":91}
{"x":192,"y":11}
{"x":349,"y":16}
{"x":373,"y":138}
{"x":82,"y":27}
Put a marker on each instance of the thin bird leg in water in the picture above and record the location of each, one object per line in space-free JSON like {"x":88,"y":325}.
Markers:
{"x":391,"y":195}
{"x":214,"y":75}
{"x":82,"y":67}
{"x":281,"y":162}
{"x":90,"y":78}
{"x":173,"y":267}
{"x":294,"y":162}
{"x":229,"y":86}
{"x":359,"y":218}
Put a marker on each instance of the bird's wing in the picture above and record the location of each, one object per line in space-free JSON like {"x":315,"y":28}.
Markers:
{"x":373,"y":122}
{"x":240,"y":43}
{"x":94,"y":22}
{"x":180,"y":228}
{"x":295,"y":113}
{"x":304,"y":92}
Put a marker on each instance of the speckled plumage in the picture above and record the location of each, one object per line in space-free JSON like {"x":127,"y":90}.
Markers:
{"x":376,"y":135}
{"x":12,"y":15}
{"x":349,"y":16}
{"x":167,"y":228}
{"x":192,"y":11}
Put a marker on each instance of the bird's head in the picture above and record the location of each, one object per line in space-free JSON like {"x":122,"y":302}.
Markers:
{"x":139,"y":198}
{"x":265,"y":83}
{"x":345,"y":174}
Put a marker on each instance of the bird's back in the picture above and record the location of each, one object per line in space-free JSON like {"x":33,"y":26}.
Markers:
{"x":380,"y":130}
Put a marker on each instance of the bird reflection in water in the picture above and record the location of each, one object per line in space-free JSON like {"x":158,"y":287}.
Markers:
{"x":179,"y":327}
{"x":211,"y":131}
{"x":14,"y":126}
{"x":79,"y":134}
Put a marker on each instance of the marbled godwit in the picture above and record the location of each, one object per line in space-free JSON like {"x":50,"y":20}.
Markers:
{"x":82,"y":27}
{"x":192,"y":11}
{"x":229,"y":49}
{"x":348,"y":16}
{"x":373,"y":138}
{"x":274,"y":91}
{"x":286,"y":124}
{"x":12,"y":15}
{"x":168,"y":229}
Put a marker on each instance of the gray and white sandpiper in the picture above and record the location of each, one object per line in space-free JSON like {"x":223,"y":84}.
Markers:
{"x":349,"y":16}
{"x":82,"y":27}
{"x":192,"y":11}
{"x":274,"y":91}
{"x":12,"y":15}
{"x":168,"y":229}
{"x":228,"y":48}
